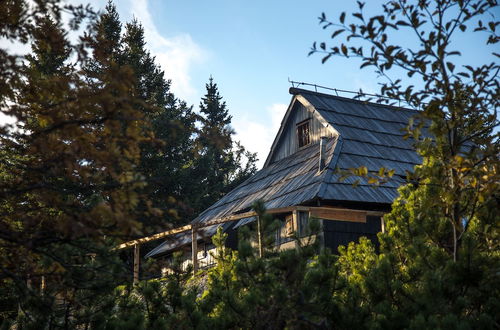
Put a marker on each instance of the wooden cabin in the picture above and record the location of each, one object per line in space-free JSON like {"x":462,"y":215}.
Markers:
{"x":320,"y":136}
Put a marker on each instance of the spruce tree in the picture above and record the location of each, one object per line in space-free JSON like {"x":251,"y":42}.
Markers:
{"x":167,"y":147}
{"x":223,"y":163}
{"x":68,"y":180}
{"x":216,"y":161}
{"x":166,"y":155}
{"x":105,"y":38}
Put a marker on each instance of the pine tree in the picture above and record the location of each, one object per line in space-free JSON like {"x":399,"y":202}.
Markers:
{"x":220,"y":163}
{"x":69,"y":184}
{"x":215,"y":139}
{"x":165,"y":158}
{"x":167,"y":148}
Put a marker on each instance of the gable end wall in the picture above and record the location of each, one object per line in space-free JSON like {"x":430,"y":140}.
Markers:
{"x":288,"y":143}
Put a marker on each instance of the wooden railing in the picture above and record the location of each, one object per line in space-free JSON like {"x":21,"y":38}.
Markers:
{"x":326,"y":213}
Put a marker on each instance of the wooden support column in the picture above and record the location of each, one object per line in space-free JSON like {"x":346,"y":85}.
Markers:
{"x":295,"y":218}
{"x":42,"y":285}
{"x":194,"y":249}
{"x":137,"y":256}
{"x":259,"y":237}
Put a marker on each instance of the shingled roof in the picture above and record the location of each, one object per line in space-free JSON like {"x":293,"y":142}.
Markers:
{"x":364,"y":134}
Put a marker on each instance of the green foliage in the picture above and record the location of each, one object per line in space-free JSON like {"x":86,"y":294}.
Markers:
{"x":166,"y":147}
{"x":222,"y":163}
{"x":96,"y":121}
{"x":100,"y":151}
{"x":438,"y":263}
{"x":69,"y":180}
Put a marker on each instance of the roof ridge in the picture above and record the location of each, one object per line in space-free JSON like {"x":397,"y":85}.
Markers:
{"x":295,"y":91}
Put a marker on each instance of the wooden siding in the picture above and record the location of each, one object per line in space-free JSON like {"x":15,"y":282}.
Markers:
{"x":288,"y":143}
{"x":342,"y":232}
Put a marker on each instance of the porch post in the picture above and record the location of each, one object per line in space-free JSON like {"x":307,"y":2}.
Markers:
{"x":194,"y":249}
{"x":136,"y":263}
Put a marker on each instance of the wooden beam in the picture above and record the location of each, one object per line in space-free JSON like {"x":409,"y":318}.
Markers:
{"x":248,"y":214}
{"x":340,"y":215}
{"x":328,"y":213}
{"x":154,"y":237}
{"x":137,"y":256}
{"x":42,"y":285}
{"x":194,"y":249}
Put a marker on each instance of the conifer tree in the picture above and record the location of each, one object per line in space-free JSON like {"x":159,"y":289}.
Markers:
{"x":165,"y":158}
{"x":167,"y":148}
{"x":220,"y":163}
{"x":69,"y":185}
{"x":215,"y":139}
{"x":105,"y":37}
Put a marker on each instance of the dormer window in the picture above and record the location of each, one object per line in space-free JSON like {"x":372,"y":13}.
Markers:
{"x":303,"y":133}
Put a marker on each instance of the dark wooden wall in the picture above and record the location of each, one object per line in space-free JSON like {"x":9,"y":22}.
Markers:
{"x":232,"y":237}
{"x":342,"y":232}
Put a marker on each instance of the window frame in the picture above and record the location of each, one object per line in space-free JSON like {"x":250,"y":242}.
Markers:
{"x":304,"y":133}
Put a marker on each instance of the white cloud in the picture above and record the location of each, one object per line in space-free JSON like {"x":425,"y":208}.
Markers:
{"x":176,"y":55}
{"x":258,"y":136}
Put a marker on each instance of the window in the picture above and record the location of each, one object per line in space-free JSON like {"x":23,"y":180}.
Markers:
{"x":289,"y":230}
{"x":303,"y":133}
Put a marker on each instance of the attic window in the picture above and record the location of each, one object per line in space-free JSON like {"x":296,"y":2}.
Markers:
{"x":303,"y":133}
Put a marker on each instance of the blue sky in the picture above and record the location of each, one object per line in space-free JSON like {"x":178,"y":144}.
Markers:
{"x":251,"y":48}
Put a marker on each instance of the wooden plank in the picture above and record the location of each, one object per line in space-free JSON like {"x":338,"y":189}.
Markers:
{"x":295,"y":221}
{"x":137,"y":256}
{"x":194,"y":249}
{"x":42,"y":285}
{"x":338,"y":214}
{"x":259,"y":236}
{"x":249,"y":214}
{"x":154,"y":237}
{"x":280,"y":131}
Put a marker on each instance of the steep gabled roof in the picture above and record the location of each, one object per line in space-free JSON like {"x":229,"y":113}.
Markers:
{"x":289,"y":181}
{"x":371,"y":135}
{"x":364,"y":134}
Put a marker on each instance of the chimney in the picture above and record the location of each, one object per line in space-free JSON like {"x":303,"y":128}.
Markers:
{"x":322,"y":153}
